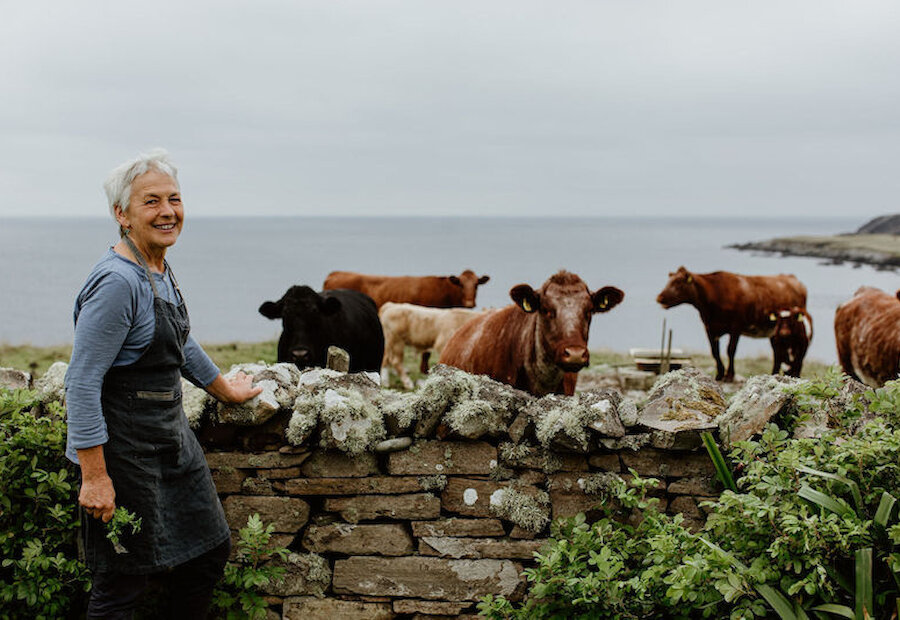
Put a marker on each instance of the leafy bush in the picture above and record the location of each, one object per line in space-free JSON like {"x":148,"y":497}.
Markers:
{"x":810,"y":532}
{"x":236,"y":596}
{"x":40,"y":576}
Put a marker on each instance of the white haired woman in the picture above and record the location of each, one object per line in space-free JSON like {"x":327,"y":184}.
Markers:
{"x":126,"y":427}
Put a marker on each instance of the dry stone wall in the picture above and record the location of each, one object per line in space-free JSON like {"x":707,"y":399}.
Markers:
{"x":417,"y":504}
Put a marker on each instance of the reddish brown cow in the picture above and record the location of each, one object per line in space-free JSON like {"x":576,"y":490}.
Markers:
{"x":867,"y":333}
{"x":790,"y":340}
{"x":733,"y":304}
{"x":537,"y":344}
{"x":434,"y":291}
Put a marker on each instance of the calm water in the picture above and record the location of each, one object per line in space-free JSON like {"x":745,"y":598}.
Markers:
{"x":228,"y":266}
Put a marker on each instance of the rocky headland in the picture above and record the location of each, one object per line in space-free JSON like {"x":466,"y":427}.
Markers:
{"x":875,"y":243}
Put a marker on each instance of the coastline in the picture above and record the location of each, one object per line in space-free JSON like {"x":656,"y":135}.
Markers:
{"x":881,"y":251}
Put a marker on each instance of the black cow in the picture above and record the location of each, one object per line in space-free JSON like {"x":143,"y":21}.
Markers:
{"x":314,"y":321}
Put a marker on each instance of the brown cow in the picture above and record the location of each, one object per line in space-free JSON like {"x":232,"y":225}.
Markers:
{"x":537,"y":344}
{"x":790,"y":340}
{"x":434,"y":291}
{"x":867,"y":333}
{"x":733,"y":304}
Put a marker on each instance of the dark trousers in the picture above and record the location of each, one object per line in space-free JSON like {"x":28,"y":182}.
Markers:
{"x":188,"y":588}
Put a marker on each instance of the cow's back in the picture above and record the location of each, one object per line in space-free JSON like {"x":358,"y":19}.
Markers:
{"x":432,"y":291}
{"x":867,"y":334}
{"x":357,"y":329}
{"x":352,"y":281}
{"x":735,"y":302}
{"x":490,"y":344}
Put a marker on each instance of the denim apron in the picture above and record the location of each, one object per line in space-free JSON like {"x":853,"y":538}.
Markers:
{"x":156,"y":465}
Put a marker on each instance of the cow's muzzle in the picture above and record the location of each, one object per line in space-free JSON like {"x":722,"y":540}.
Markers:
{"x":301,"y":356}
{"x":574,"y":358}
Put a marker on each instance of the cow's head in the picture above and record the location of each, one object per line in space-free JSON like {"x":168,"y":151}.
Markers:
{"x":468,"y":282}
{"x":304,"y":314}
{"x":789,"y":323}
{"x":678,"y":290}
{"x":564,"y":306}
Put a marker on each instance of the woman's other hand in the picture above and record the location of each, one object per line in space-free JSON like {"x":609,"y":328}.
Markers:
{"x":236,"y":389}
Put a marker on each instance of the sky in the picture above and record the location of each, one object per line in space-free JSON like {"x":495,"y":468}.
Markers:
{"x":463,"y":107}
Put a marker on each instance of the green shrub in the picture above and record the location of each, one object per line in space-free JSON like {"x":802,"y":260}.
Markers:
{"x":810,"y":531}
{"x":236,"y":596}
{"x":40,"y":576}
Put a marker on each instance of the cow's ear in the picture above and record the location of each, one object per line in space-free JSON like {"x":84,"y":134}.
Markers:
{"x":607,"y":298}
{"x":272,"y":309}
{"x":483,"y":279}
{"x":526,"y":298}
{"x":330,"y":305}
{"x":454,"y":280}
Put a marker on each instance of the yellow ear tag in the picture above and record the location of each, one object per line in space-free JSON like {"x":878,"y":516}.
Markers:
{"x":772,"y":317}
{"x":605,"y":302}
{"x":526,"y":306}
{"x":690,"y":279}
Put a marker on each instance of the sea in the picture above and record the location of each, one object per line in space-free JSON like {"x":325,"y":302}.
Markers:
{"x":226,"y":267}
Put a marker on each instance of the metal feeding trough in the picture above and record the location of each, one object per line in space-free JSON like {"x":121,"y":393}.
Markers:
{"x":660,"y":360}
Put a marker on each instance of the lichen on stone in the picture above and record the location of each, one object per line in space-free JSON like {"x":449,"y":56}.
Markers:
{"x":348,"y":421}
{"x":438,"y":482}
{"x":529,"y":513}
{"x":514,"y":452}
{"x":600,"y":483}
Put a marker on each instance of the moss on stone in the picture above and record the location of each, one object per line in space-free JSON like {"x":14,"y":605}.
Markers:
{"x":348,"y":421}
{"x":438,"y":482}
{"x":529,"y":513}
{"x":600,"y":483}
{"x":514,"y":452}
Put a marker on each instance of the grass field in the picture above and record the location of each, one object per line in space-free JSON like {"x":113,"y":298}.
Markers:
{"x":37,"y":360}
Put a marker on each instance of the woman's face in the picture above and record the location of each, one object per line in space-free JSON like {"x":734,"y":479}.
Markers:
{"x":155,"y":214}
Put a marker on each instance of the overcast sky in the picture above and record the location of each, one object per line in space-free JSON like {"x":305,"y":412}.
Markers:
{"x":419,"y":107}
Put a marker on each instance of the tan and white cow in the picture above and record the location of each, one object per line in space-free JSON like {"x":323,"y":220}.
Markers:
{"x":425,"y":329}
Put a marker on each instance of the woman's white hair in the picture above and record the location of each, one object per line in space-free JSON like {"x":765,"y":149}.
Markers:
{"x":118,"y":184}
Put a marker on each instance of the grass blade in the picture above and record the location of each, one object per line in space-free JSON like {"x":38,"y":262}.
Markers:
{"x":864,"y":594}
{"x":854,"y":488}
{"x":835,"y":610}
{"x":885,"y":509}
{"x":722,"y":470}
{"x":825,"y":501}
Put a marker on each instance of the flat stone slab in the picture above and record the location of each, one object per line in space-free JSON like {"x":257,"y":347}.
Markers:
{"x":477,"y":548}
{"x":761,"y":398}
{"x":444,"y":457}
{"x":458,"y":527}
{"x":13,"y":379}
{"x":260,"y":460}
{"x":473,"y":498}
{"x":682,"y":404}
{"x":390,"y":539}
{"x":305,"y":573}
{"x":304,"y":608}
{"x":284,"y":514}
{"x":336,"y":464}
{"x":368,"y":507}
{"x":426,"y":578}
{"x":370,"y":485}
{"x":429,"y":608}
{"x":656,"y":463}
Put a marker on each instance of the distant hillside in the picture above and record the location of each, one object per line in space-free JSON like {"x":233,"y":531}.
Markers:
{"x":881,"y":225}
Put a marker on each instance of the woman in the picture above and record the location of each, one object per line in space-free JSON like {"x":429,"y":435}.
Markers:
{"x":126,"y":427}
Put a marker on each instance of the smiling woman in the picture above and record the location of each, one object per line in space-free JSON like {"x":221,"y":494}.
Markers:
{"x":126,"y":426}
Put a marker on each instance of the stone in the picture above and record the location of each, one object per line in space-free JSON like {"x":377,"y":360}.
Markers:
{"x":370,"y":485}
{"x":472,"y":498}
{"x":378,"y":539}
{"x":522,"y":426}
{"x":338,"y":359}
{"x":427,"y":578}
{"x":631,"y":442}
{"x":532,"y":457}
{"x":477,"y":548}
{"x":458,"y":527}
{"x":228,"y":481}
{"x":703,"y":486}
{"x":656,"y":463}
{"x":252,"y":412}
{"x":633,"y":379}
{"x":304,"y":608}
{"x":368,"y":507}
{"x":52,"y":385}
{"x":284,"y":514}
{"x":393,"y":445}
{"x":305,"y":573}
{"x":687,"y":506}
{"x":606,"y":462}
{"x":682,"y":405}
{"x":196,"y":403}
{"x":575,"y":422}
{"x":335,"y":464}
{"x":761,"y":398}
{"x":12,"y":379}
{"x":431,"y":608}
{"x":518,"y":532}
{"x":444,"y":457}
{"x":263,"y":460}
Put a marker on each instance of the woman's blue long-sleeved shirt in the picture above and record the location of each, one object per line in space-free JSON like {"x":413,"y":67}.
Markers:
{"x":114,"y":323}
